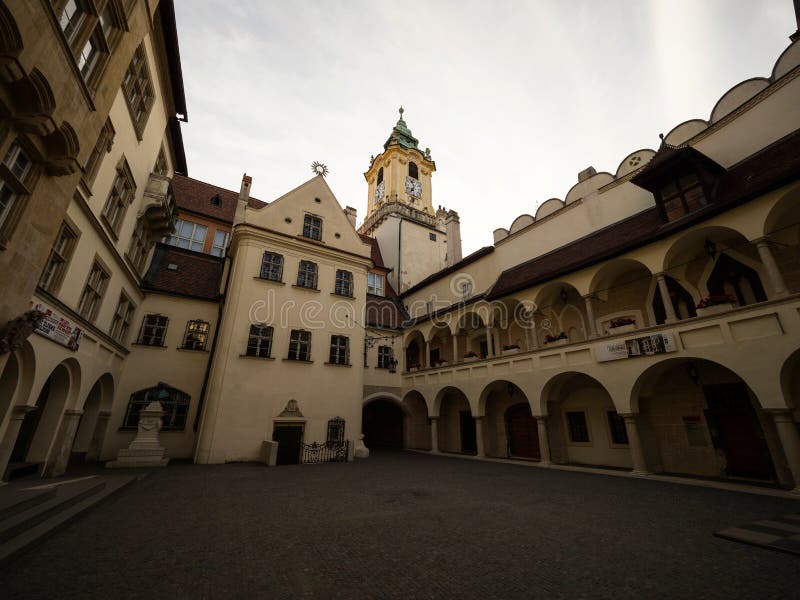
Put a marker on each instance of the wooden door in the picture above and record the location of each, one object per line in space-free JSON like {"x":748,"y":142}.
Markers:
{"x":522,"y":433}
{"x":289,"y":438}
{"x":469,"y":441}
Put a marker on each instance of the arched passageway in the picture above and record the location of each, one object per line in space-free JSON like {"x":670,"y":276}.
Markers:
{"x":697,"y":417}
{"x":382,"y":424}
{"x":417,"y":423}
{"x":91,"y":430}
{"x":456,"y":427}
{"x":510,"y":428}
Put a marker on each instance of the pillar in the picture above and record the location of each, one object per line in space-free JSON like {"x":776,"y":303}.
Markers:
{"x":434,"y":434}
{"x":790,"y":440}
{"x":635,"y":445}
{"x":10,"y":438}
{"x":544,"y":442}
{"x":498,"y":345}
{"x":98,"y":437}
{"x":489,"y":352}
{"x":456,"y":357}
{"x":776,"y":281}
{"x":590,"y":315}
{"x":59,"y":454}
{"x":534,"y":342}
{"x":479,"y":436}
{"x":665,"y":299}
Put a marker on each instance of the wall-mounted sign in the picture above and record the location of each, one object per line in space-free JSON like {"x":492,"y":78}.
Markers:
{"x":58,"y":328}
{"x":656,"y":343}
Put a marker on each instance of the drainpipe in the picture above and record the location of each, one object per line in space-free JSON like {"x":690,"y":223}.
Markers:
{"x":399,"y":257}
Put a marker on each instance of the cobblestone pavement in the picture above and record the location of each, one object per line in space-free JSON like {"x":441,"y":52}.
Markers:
{"x":405,"y":525}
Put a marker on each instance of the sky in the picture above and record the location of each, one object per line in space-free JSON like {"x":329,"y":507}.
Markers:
{"x":513,"y":98}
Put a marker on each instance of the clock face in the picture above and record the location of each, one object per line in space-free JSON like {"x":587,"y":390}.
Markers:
{"x":413,"y":187}
{"x":379,"y":191}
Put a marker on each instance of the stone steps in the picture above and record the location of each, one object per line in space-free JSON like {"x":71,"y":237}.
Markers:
{"x":29,"y":515}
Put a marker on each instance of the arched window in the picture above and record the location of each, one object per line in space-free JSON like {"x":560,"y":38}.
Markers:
{"x":380,"y":176}
{"x":174,"y":402}
{"x":412,"y":170}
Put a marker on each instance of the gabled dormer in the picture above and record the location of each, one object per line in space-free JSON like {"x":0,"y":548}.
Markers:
{"x":682,"y":179}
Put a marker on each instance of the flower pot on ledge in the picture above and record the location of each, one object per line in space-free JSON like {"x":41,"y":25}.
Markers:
{"x":715,"y":309}
{"x":555,"y":343}
{"x":413,"y":369}
{"x":470,"y":358}
{"x":511,"y":351}
{"x":621,"y":329}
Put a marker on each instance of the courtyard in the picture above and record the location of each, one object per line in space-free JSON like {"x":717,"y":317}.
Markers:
{"x":405,"y":525}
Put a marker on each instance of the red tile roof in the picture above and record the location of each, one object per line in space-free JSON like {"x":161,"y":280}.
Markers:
{"x":195,"y":196}
{"x":383,"y":312}
{"x":194,"y":274}
{"x":375,"y":251}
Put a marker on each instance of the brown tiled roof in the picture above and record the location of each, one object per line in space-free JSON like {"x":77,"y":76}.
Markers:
{"x":375,"y":251}
{"x":383,"y":312}
{"x":195,"y":196}
{"x":195,"y":274}
{"x":769,"y":169}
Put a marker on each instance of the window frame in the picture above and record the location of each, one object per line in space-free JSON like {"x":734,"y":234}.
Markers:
{"x":120,"y":197}
{"x":276,"y":261}
{"x":138,"y":89}
{"x":159,"y":329}
{"x":680,"y":193}
{"x":175,"y":238}
{"x":105,"y":141}
{"x":195,"y":336}
{"x":413,"y":170}
{"x":139,"y":246}
{"x":299,"y":345}
{"x":122,"y":318}
{"x":20,"y":186}
{"x":372,"y":288}
{"x":616,"y":425}
{"x":93,"y":293}
{"x":384,"y":357}
{"x":306,"y":269}
{"x":569,"y":429}
{"x":344,"y":285}
{"x":142,"y":398}
{"x":62,"y":256}
{"x":312,"y":227}
{"x":222,"y":249}
{"x":259,"y":335}
{"x":339,"y":350}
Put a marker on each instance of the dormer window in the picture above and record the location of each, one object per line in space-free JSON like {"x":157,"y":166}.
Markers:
{"x":413,"y":171}
{"x":216,"y":200}
{"x":682,"y":196}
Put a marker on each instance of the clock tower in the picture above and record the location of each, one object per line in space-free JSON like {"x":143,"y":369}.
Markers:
{"x":415,"y":240}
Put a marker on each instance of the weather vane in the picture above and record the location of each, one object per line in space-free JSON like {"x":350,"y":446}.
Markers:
{"x":319,"y":169}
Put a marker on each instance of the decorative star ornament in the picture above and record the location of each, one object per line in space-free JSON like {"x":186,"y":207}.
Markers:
{"x":319,"y":169}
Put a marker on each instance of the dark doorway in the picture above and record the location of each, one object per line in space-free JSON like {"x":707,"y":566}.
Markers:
{"x":523,"y":435}
{"x":682,"y":301}
{"x":731,"y":277}
{"x":289,"y":438}
{"x":469,"y":441}
{"x":735,"y":429}
{"x":382,"y":424}
{"x":29,"y":424}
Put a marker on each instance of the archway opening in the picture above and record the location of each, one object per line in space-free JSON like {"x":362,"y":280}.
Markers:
{"x":732,"y":278}
{"x":699,"y":418}
{"x":510,"y":429}
{"x":456,"y":427}
{"x":521,"y":432}
{"x":417,"y":424}
{"x":682,"y":302}
{"x":382,"y":424}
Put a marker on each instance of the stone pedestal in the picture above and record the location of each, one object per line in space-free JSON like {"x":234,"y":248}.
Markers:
{"x":269,"y":453}
{"x":361,"y":451}
{"x":146,"y":450}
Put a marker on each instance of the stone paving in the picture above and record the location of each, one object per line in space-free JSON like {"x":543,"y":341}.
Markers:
{"x":406,"y":525}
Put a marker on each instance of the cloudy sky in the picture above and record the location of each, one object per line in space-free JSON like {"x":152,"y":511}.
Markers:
{"x":513,"y":98}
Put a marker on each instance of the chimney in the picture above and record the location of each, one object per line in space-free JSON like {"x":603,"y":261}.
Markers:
{"x":244,"y":197}
{"x":586,"y":173}
{"x":453,"y":232}
{"x":351,"y":213}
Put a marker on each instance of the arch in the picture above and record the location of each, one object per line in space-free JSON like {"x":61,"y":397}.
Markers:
{"x":414,"y":349}
{"x":413,"y":170}
{"x":790,"y":381}
{"x":785,"y":210}
{"x":521,"y":222}
{"x":9,"y":380}
{"x":787,"y":61}
{"x":383,"y":422}
{"x":90,"y":434}
{"x":620,"y":289}
{"x":417,"y":425}
{"x":587,"y":186}
{"x":699,"y":417}
{"x":388,"y":396}
{"x":456,"y":426}
{"x":513,"y":320}
{"x":440,"y":346}
{"x":548,"y":207}
{"x":10,"y":37}
{"x":683,"y":132}
{"x":499,"y":234}
{"x":470,"y":333}
{"x":560,"y":310}
{"x":635,"y":160}
{"x":736,"y":96}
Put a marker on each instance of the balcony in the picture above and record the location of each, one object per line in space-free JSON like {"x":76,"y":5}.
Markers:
{"x":158,"y":205}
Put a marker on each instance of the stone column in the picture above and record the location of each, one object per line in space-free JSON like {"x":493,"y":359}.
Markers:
{"x":776,"y":281}
{"x":544,"y":442}
{"x":434,"y":434}
{"x":634,"y":445}
{"x":498,"y":345}
{"x":98,"y":437}
{"x":10,"y":438}
{"x":456,"y":357}
{"x":790,"y":440}
{"x":665,"y":299}
{"x":479,"y":436}
{"x":590,"y":315}
{"x":59,"y":455}
{"x":534,"y":342}
{"x":489,"y":352}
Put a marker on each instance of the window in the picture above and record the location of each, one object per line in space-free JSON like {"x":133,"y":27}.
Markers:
{"x":174,"y":403}
{"x":384,"y":357}
{"x":90,"y":38}
{"x":616,"y":424}
{"x":272,"y":266}
{"x":259,"y":343}
{"x":344,"y":283}
{"x":380,"y":176}
{"x":412,"y":170}
{"x":312,"y":227}
{"x":59,"y":257}
{"x":88,"y":56}
{"x":70,"y":19}
{"x":375,"y":284}
{"x":161,"y":167}
{"x":216,"y":200}
{"x":138,"y":89}
{"x":121,"y":321}
{"x":340,"y":350}
{"x":153,"y":331}
{"x":682,"y":196}
{"x":220,"y":244}
{"x":576,"y":426}
{"x":103,"y":145}
{"x":307,"y":274}
{"x":300,"y":345}
{"x":432,"y":237}
{"x":120,"y":197}
{"x":15,"y":175}
{"x":140,"y":246}
{"x":196,"y":335}
{"x":93,"y":292}
{"x":188,"y":235}
{"x":335,"y":431}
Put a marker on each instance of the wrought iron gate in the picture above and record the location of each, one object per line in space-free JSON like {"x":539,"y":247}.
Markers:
{"x":324,"y":452}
